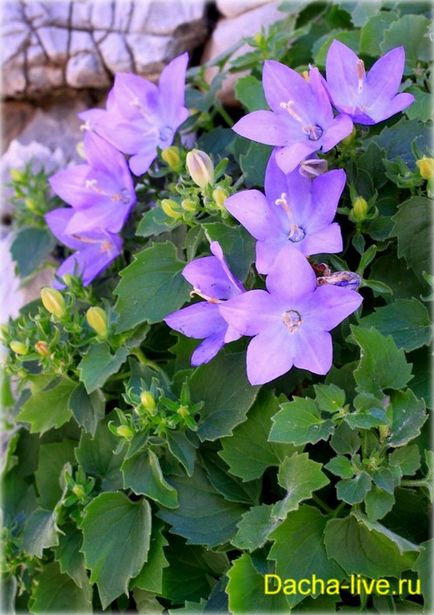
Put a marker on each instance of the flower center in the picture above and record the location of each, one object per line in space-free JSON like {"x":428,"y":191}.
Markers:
{"x":123,"y":195}
{"x":296,"y":233}
{"x":314,"y":132}
{"x":105,"y":246}
{"x":292,"y":320}
{"x":166,"y":134}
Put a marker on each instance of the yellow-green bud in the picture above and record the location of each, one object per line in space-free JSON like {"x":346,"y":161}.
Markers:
{"x":360,"y":208}
{"x":42,"y":348}
{"x":78,"y":491}
{"x":188,"y":205}
{"x":68,"y":279}
{"x":148,"y":401}
{"x":259,"y":38}
{"x":97,"y":320}
{"x":171,"y":208}
{"x":53,"y":301}
{"x":384,"y":432}
{"x":220,"y":195}
{"x":183,"y":411}
{"x":426,"y":167}
{"x":30,"y":204}
{"x":18,"y":347}
{"x":350,"y":137}
{"x":171,"y":157}
{"x":200,"y":168}
{"x":125,"y":432}
{"x":16,"y":175}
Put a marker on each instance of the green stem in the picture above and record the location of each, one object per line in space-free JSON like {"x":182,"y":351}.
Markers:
{"x":225,"y":115}
{"x":414,"y":483}
{"x":144,"y":360}
{"x":337,"y":510}
{"x":326,"y":508}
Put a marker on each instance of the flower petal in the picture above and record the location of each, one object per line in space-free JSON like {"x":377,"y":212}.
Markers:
{"x":172,"y":90}
{"x":70,"y":185}
{"x":384,"y":77}
{"x":291,"y":278}
{"x":264,"y":127}
{"x":289,"y":157}
{"x":329,"y":306}
{"x":208,"y":276}
{"x":266,"y":253}
{"x":208,"y":349}
{"x":130,"y":92}
{"x":108,"y":216}
{"x":282,"y":84}
{"x":140,"y":163}
{"x":217,"y":251}
{"x":90,"y":262}
{"x":341,"y":74}
{"x":199,"y":320}
{"x":57,"y":221}
{"x":250,"y":312}
{"x":326,"y":192}
{"x":340,"y":128}
{"x":251,"y":209}
{"x":328,"y":240}
{"x":390,"y":107}
{"x":270,"y":354}
{"x":314,"y":351}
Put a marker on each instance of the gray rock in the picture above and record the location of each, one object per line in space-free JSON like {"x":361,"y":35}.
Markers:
{"x":115,"y":53}
{"x":85,"y":70}
{"x":54,"y":40}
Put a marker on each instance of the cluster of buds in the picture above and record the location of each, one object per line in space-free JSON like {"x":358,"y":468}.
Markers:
{"x":30,"y":196}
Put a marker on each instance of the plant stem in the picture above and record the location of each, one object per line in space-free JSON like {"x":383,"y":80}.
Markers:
{"x":326,"y":508}
{"x":414,"y":483}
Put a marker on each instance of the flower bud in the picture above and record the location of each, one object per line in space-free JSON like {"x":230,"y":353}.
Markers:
{"x":426,"y":167}
{"x":97,"y":320}
{"x":78,"y":491}
{"x":16,"y":175}
{"x":220,"y":195}
{"x":313,"y":167}
{"x":30,"y":204}
{"x":171,"y":157}
{"x":125,"y":432}
{"x":171,"y":208}
{"x":200,"y":168}
{"x":68,"y":279}
{"x":188,"y":205}
{"x":148,"y":401}
{"x":183,"y":411}
{"x":53,"y":302}
{"x":18,"y":347}
{"x":42,"y":348}
{"x":384,"y":431}
{"x":360,"y":208}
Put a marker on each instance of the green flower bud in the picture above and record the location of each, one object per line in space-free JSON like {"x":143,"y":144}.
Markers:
{"x":426,"y":167}
{"x":360,"y":208}
{"x":148,"y":401}
{"x":125,"y":432}
{"x":183,"y":411}
{"x":68,"y":279}
{"x":30,"y":204}
{"x":18,"y":347}
{"x":220,"y":195}
{"x":17,"y":175}
{"x":171,"y":157}
{"x":171,"y":209}
{"x":188,"y":205}
{"x":42,"y":348}
{"x":78,"y":491}
{"x":200,"y":168}
{"x":97,"y":320}
{"x":53,"y":302}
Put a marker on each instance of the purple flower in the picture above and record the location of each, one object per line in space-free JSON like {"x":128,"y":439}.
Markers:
{"x":290,"y":320}
{"x":295,"y":210}
{"x":301,"y":118}
{"x":95,"y":249}
{"x":213,"y":281}
{"x":141,"y":116}
{"x":101,"y":192}
{"x":370,"y":97}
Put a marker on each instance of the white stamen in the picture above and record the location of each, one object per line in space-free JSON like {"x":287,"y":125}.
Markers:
{"x":202,"y":295}
{"x":361,"y":74}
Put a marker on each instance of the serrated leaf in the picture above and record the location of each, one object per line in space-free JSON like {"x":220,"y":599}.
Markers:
{"x":369,"y":412}
{"x":423,"y":567}
{"x":182,"y":449}
{"x":142,"y":473}
{"x":151,"y":287}
{"x":116,"y":538}
{"x":253,"y":164}
{"x":69,"y":556}
{"x":55,"y":592}
{"x":30,"y":248}
{"x":378,"y":503}
{"x":406,"y":320}
{"x":408,"y":415}
{"x":299,"y":422}
{"x":40,"y":532}
{"x":49,"y":407}
{"x":353,"y":490}
{"x":412,"y":221}
{"x":227,"y":395}
{"x":228,"y":486}
{"x":407,"y":459}
{"x":340,"y":466}
{"x":150,"y":577}
{"x":372,"y":31}
{"x":203,"y":516}
{"x":250,"y":93}
{"x":382,"y":365}
{"x":300,"y":476}
{"x":52,"y":458}
{"x":345,"y":440}
{"x":247,"y":452}
{"x":146,"y":602}
{"x":87,"y":410}
{"x":387,"y":478}
{"x":329,"y":397}
{"x":412,"y":31}
{"x":153,"y":223}
{"x":254,"y":527}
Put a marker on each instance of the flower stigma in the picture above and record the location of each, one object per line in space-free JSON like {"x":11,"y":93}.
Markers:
{"x":296,"y":233}
{"x":292,"y":320}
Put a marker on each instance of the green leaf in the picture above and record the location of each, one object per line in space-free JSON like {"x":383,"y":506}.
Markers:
{"x":98,"y":364}
{"x":340,"y":466}
{"x":299,"y":550}
{"x":231,"y":488}
{"x":369,"y":549}
{"x":247,"y":452}
{"x":413,"y":228}
{"x":406,"y":320}
{"x":361,"y":12}
{"x":227,"y":395}
{"x":253,"y":164}
{"x":369,"y":412}
{"x":153,"y":223}
{"x":30,"y":248}
{"x":423,"y":567}
{"x":142,"y":473}
{"x":408,"y":415}
{"x":300,"y":476}
{"x":389,"y":270}
{"x":40,"y":532}
{"x":329,"y":397}
{"x":146,"y":602}
{"x":52,"y":458}
{"x":182,"y":449}
{"x":412,"y":31}
{"x":151,"y":287}
{"x":378,"y":503}
{"x":353,"y":490}
{"x":421,"y":108}
{"x":203,"y":516}
{"x":87,"y":410}
{"x":321,"y":46}
{"x":299,"y":422}
{"x":49,"y":407}
{"x":254,"y":528}
{"x":371,"y":34}
{"x":237,"y":244}
{"x":246,"y":590}
{"x":116,"y":537}
{"x":407,"y":459}
{"x":382,"y":364}
{"x":150,"y":577}
{"x":250,"y":93}
{"x":345,"y":440}
{"x":69,"y":556}
{"x":55,"y":592}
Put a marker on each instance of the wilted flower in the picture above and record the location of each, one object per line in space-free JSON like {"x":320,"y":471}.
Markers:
{"x":95,"y":249}
{"x":212,"y":281}
{"x":141,"y":116}
{"x":101,"y":192}
{"x":290,"y":320}
{"x":301,"y":118}
{"x":295,"y":210}
{"x":368,"y":98}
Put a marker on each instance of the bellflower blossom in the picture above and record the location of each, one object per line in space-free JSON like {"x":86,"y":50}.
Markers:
{"x":141,"y":116}
{"x":212,"y":280}
{"x":291,"y":320}
{"x":295,"y":210}
{"x":301,"y":118}
{"x":368,"y":98}
{"x":101,"y":191}
{"x":95,"y":249}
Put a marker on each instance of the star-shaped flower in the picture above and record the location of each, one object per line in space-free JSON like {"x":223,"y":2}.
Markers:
{"x":291,"y":320}
{"x":295,"y":210}
{"x":101,"y":191}
{"x":368,"y":98}
{"x":95,"y":249}
{"x":213,"y":281}
{"x":301,"y":118}
{"x":141,"y":116}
